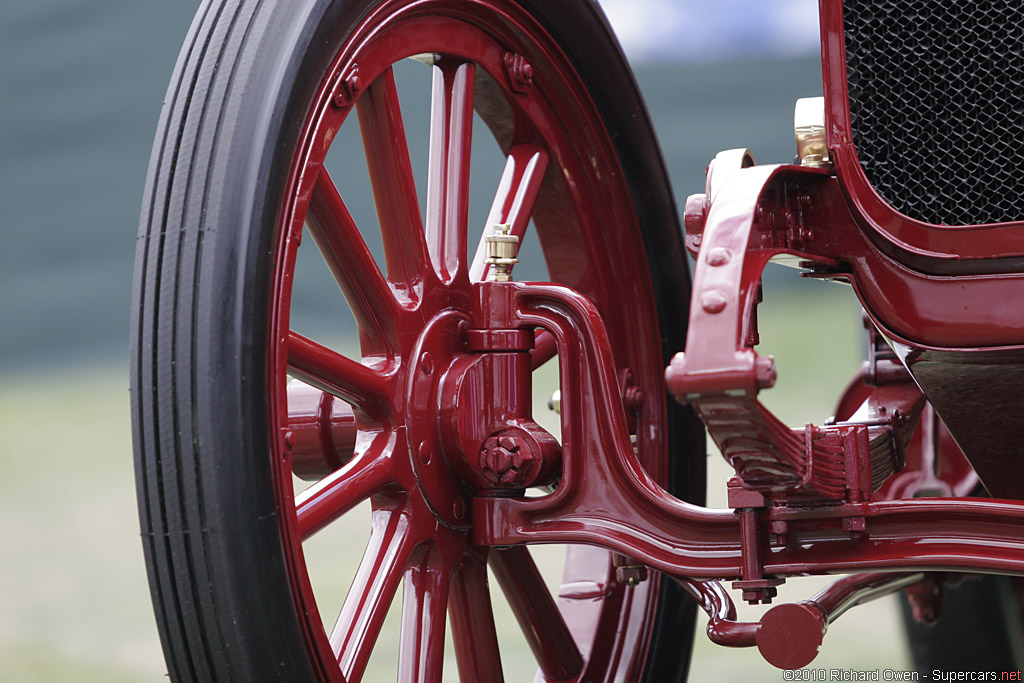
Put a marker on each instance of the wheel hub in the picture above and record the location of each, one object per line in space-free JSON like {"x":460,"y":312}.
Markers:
{"x":437,"y":348}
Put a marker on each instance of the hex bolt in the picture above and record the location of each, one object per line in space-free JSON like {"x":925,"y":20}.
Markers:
{"x":507,"y":460}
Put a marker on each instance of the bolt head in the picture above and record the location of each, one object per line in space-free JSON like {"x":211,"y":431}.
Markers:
{"x":505,"y":460}
{"x":695,"y":214}
{"x":496,"y":460}
{"x":426,"y":363}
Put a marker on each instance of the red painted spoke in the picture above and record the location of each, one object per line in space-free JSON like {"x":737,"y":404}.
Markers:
{"x":332,"y":372}
{"x":451,"y":132}
{"x":469,"y":607}
{"x":350,"y":261}
{"x":538,"y":616}
{"x":375,"y":584}
{"x":325,"y":501}
{"x":425,"y":597}
{"x":514,"y":200}
{"x":394,"y":189}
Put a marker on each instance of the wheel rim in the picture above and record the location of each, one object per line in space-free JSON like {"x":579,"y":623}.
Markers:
{"x":419,"y":535}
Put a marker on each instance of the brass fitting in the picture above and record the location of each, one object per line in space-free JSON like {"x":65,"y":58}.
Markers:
{"x":502,"y":248}
{"x":809,"y":127}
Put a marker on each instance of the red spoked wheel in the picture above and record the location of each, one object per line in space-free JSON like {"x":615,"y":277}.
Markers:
{"x":221,"y":425}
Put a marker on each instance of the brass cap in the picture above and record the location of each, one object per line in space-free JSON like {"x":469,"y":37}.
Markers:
{"x":502,"y":247}
{"x":809,"y":128}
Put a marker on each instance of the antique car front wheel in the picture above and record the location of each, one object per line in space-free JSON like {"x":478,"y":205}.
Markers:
{"x":220,"y":376}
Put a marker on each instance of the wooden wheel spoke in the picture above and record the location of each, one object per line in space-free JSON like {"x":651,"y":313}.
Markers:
{"x":537,"y":613}
{"x":327,"y":370}
{"x":375,"y":584}
{"x":425,"y":597}
{"x":325,"y":501}
{"x":394,"y":187}
{"x":350,"y":261}
{"x":451,"y":133}
{"x":513,"y":202}
{"x":473,"y":633}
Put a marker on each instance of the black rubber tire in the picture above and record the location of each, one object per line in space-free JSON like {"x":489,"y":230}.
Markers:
{"x":214,"y":191}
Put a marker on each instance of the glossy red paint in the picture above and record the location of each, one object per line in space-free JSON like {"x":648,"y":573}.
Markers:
{"x":742,"y":230}
{"x":950,"y":296}
{"x":954,"y":333}
{"x":722,"y":629}
{"x":446,"y":365}
{"x":789,"y":635}
{"x":606,"y":499}
{"x":441,"y":370}
{"x":486,"y":422}
{"x":923,"y":246}
{"x":323,"y":431}
{"x":557,"y":655}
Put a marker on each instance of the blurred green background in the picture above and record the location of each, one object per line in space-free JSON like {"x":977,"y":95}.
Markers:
{"x":82,"y":86}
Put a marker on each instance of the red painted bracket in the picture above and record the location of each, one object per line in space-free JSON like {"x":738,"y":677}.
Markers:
{"x":743,"y":222}
{"x":605,"y":498}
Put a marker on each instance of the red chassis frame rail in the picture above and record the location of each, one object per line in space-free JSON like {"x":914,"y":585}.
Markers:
{"x":605,"y":498}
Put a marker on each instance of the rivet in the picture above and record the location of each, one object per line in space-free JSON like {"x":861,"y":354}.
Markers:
{"x":713,"y":301}
{"x":426,"y":363}
{"x":459,"y":508}
{"x":719,"y":256}
{"x":424,"y":452}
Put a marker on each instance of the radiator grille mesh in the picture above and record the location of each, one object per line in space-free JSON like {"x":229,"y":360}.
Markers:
{"x":937,"y":105}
